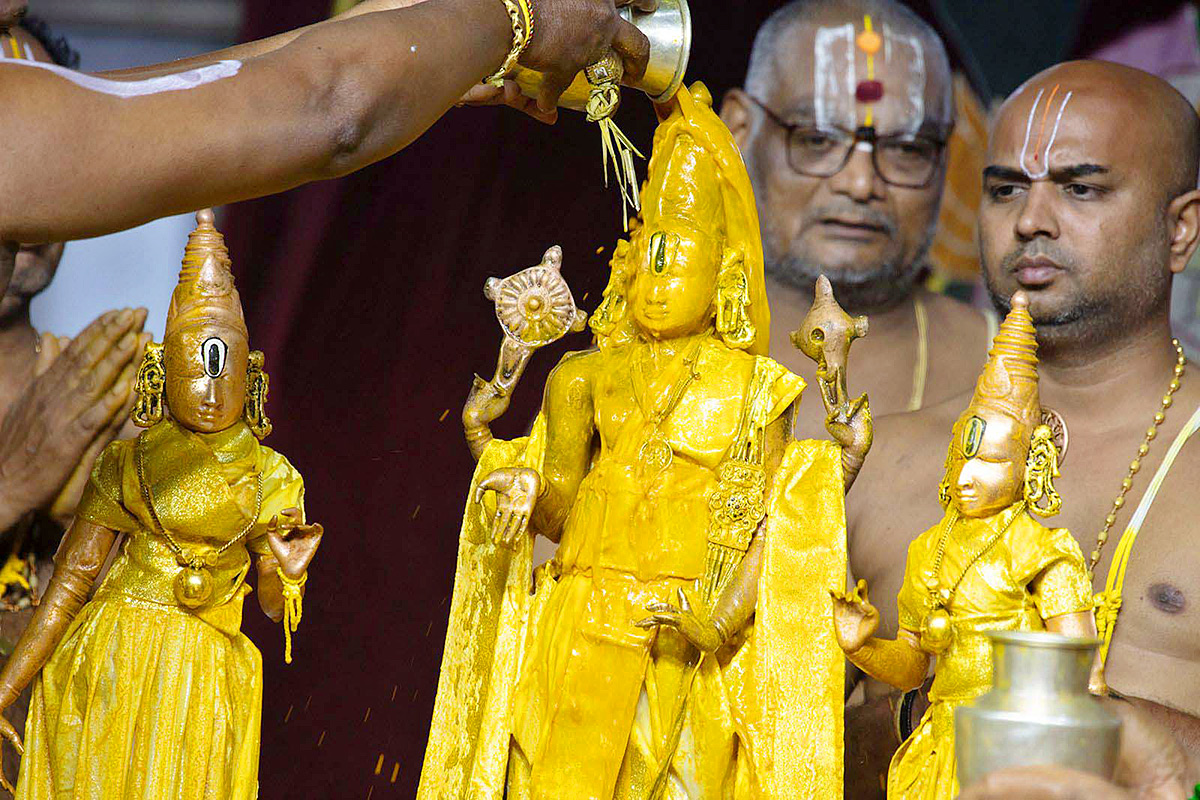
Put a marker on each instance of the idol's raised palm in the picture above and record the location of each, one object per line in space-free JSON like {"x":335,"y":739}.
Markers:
{"x":292,"y":542}
{"x":855,"y":620}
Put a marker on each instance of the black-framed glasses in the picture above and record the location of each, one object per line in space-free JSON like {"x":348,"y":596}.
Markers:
{"x":900,"y":159}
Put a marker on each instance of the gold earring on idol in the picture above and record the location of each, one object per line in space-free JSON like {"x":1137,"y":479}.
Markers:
{"x":732,"y":300}
{"x":148,"y":408}
{"x":1041,"y":468}
{"x":256,"y":396}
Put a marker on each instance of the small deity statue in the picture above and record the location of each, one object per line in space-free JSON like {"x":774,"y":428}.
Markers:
{"x":150,"y":690}
{"x":679,"y":643}
{"x":988,"y":565}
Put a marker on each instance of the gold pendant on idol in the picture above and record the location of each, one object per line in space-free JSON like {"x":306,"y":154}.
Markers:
{"x":937,"y":631}
{"x":194,"y":584}
{"x":655,"y":453}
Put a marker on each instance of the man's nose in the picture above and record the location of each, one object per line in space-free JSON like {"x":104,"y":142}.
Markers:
{"x":1038,"y":215}
{"x":858,"y":179}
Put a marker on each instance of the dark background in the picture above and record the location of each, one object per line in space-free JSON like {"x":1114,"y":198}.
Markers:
{"x":366,"y":295}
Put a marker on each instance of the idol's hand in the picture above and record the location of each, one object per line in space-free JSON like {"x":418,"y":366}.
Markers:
{"x":9,"y":733}
{"x":855,"y":620}
{"x":569,"y":35}
{"x":292,"y":542}
{"x":517,"y":490}
{"x":697,"y":629}
{"x":851,"y":426}
{"x":75,"y":405}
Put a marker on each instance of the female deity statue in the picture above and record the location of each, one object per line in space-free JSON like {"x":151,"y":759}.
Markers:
{"x":988,"y":565}
{"x":679,"y":643}
{"x":150,"y":690}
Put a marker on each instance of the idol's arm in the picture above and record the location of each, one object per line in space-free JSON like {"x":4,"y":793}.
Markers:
{"x":898,"y":662}
{"x":76,"y":565}
{"x":1081,"y":625}
{"x":569,"y":430}
{"x":270,"y":587}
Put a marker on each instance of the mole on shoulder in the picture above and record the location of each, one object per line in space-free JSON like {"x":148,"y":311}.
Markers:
{"x":1166,"y":597}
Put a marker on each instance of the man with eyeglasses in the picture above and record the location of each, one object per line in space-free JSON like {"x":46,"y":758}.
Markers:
{"x":843,"y":123}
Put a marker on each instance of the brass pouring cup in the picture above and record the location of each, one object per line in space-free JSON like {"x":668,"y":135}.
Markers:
{"x":669,"y":30}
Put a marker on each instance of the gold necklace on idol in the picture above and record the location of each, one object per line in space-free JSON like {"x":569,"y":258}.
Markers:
{"x":655,"y":453}
{"x":1136,"y":464}
{"x":936,"y":631}
{"x":193,"y":585}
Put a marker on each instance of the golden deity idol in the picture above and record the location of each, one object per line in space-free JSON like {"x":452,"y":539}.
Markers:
{"x":150,"y":690}
{"x":679,"y":644}
{"x":988,"y":565}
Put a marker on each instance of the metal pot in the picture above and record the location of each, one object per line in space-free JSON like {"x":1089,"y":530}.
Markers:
{"x":669,"y":30}
{"x":1038,"y":712}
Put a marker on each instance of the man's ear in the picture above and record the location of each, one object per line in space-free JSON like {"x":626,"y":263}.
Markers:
{"x":1184,"y":212}
{"x":737,"y":116}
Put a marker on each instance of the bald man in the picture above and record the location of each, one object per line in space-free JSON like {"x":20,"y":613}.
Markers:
{"x":848,"y":172}
{"x":1090,"y":206}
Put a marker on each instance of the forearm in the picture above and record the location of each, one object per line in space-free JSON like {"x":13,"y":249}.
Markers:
{"x":248,"y":50}
{"x":735,"y":606}
{"x":897,"y":662}
{"x":851,"y":465}
{"x":270,"y":588}
{"x":78,"y":562}
{"x":336,"y":98}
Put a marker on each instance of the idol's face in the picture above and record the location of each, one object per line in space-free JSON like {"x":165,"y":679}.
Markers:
{"x":205,"y":369}
{"x":675,"y":280}
{"x":11,"y":12}
{"x":987,"y":462}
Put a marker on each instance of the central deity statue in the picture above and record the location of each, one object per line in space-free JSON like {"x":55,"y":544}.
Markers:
{"x":679,"y":644}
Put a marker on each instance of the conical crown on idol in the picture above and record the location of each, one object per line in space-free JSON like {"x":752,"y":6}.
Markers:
{"x":696,"y":176}
{"x":205,"y":292}
{"x":1009,"y":382}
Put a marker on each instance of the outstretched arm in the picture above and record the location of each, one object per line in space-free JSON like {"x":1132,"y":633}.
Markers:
{"x":76,"y":565}
{"x":331,"y":100}
{"x":898,"y":662}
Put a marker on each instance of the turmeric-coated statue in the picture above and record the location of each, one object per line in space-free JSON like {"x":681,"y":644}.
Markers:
{"x":679,"y":644}
{"x":988,"y":565}
{"x":150,"y":690}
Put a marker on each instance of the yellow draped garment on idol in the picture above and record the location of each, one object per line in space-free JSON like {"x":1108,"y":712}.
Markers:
{"x":548,"y":689}
{"x":1032,"y":573}
{"x":144,"y":699}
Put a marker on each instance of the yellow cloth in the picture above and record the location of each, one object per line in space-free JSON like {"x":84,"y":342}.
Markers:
{"x":763,"y":719}
{"x":143,"y":699}
{"x":1032,"y":573}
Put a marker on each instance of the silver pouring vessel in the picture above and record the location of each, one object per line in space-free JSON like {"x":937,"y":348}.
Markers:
{"x":669,"y":30}
{"x":1038,"y":712}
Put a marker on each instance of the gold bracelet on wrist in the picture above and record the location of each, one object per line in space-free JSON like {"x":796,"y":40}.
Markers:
{"x":520,"y":12}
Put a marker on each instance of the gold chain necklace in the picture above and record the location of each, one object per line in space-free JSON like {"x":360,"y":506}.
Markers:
{"x":194,"y":584}
{"x":1136,"y":464}
{"x":655,"y":452}
{"x":936,"y":632}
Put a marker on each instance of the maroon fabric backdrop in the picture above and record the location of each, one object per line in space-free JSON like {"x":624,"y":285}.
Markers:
{"x":366,"y":295}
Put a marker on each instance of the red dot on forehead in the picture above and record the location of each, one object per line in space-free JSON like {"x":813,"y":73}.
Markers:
{"x":868,"y":92}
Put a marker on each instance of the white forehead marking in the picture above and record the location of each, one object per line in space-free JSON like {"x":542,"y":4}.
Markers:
{"x":190,"y":79}
{"x":29,"y":52}
{"x":866,"y":147}
{"x":909,"y":50}
{"x":833,"y":77}
{"x":1038,"y":153}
